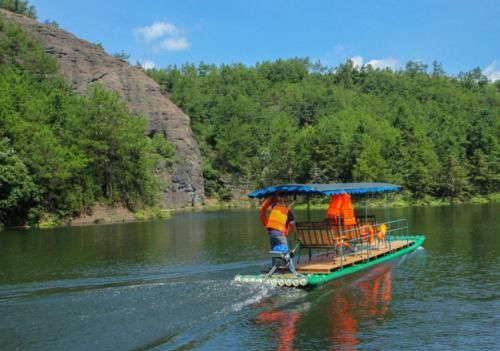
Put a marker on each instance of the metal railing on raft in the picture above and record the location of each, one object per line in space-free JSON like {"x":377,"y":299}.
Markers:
{"x":363,"y":238}
{"x":343,"y":241}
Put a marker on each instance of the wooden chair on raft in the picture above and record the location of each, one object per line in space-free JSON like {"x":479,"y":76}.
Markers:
{"x":315,"y":235}
{"x":330,"y":235}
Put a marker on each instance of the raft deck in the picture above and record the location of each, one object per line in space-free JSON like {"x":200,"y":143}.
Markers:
{"x":325,"y":265}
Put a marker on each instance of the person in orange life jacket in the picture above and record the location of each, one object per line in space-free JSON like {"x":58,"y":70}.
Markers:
{"x":278,"y":224}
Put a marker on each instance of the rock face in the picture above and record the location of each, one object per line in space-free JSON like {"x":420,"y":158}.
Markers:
{"x":84,"y":64}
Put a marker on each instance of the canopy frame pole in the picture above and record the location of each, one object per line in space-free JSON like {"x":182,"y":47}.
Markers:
{"x":308,"y":210}
{"x":388,"y":210}
{"x":341,"y":241}
{"x":369,"y":246}
{"x":366,"y":211}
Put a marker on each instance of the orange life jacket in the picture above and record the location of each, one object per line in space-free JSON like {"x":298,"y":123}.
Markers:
{"x":347,"y":210}
{"x":263,"y":209}
{"x":382,"y":232}
{"x":334,"y":207}
{"x":367,"y":233}
{"x":278,"y":219}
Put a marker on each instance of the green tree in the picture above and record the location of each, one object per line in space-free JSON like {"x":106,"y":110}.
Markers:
{"x":18,"y":193}
{"x":117,"y":148}
{"x":19,"y":6}
{"x":68,"y":151}
{"x":122,"y":55}
{"x":23,"y":52}
{"x":51,"y":23}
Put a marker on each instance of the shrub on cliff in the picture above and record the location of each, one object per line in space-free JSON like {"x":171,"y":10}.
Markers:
{"x":19,"y":6}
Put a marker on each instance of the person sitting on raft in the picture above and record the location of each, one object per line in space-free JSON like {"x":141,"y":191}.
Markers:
{"x":278,"y":224}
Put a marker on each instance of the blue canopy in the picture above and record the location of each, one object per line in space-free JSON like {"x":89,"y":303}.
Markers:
{"x":324,"y":189}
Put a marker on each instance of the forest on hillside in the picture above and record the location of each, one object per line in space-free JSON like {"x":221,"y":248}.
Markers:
{"x":286,"y":121}
{"x":61,"y":153}
{"x":297,"y":121}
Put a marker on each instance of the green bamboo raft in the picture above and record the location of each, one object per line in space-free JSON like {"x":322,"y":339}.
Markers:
{"x":345,"y":242}
{"x":305,"y":280}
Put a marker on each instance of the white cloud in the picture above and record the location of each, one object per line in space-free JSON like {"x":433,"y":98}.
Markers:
{"x":163,"y":36}
{"x":492,"y":71}
{"x":156,"y":30}
{"x":388,"y":62}
{"x":384,"y":63}
{"x":174,"y":44}
{"x":357,"y":61}
{"x":148,"y":64}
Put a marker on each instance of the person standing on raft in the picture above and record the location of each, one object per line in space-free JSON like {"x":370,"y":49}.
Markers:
{"x":278,"y":224}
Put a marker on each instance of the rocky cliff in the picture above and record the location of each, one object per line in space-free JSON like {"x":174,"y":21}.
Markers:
{"x":84,"y":64}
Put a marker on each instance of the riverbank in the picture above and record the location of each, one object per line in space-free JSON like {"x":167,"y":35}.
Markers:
{"x":106,"y":214}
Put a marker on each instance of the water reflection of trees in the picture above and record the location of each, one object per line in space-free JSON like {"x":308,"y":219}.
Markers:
{"x":333,"y":320}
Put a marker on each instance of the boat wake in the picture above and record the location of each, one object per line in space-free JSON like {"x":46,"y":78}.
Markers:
{"x":263,"y":291}
{"x":11,"y":293}
{"x":171,"y":308}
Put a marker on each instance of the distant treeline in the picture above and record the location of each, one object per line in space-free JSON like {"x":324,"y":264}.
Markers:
{"x":59,"y":152}
{"x":292,"y":120}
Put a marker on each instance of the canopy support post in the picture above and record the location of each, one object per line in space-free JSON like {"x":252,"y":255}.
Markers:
{"x":388,"y":217}
{"x":366,"y":211}
{"x":308,"y":210}
{"x":387,"y":210}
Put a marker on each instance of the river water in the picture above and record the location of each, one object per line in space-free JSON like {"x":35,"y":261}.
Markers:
{"x":167,"y":285}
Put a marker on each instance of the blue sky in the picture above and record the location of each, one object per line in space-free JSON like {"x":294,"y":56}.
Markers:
{"x":460,"y":34}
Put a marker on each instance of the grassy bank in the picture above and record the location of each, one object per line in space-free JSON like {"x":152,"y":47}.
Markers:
{"x":104,"y":214}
